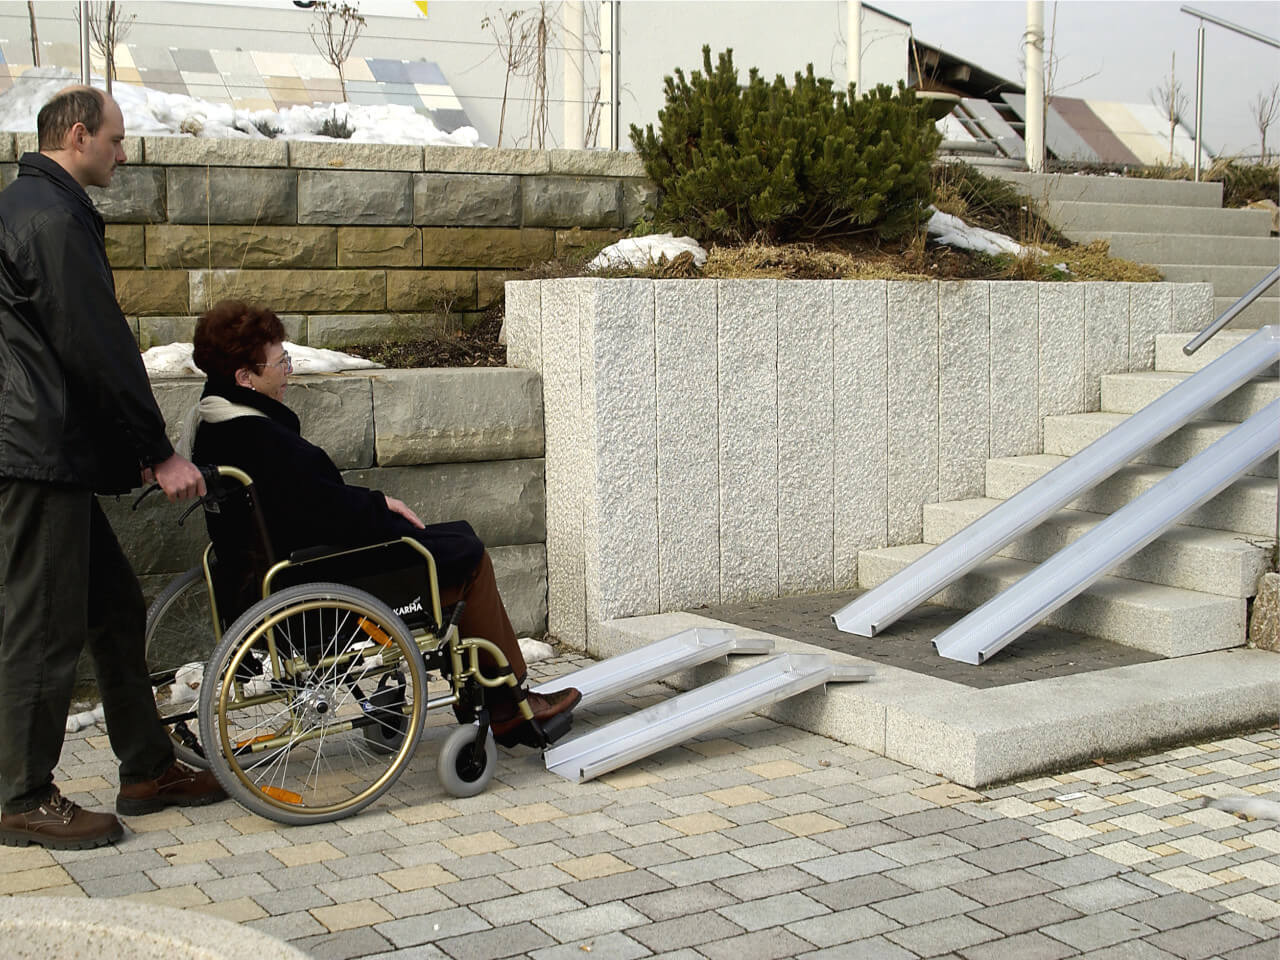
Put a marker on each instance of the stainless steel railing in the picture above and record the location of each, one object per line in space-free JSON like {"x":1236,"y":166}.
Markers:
{"x":1233,"y":311}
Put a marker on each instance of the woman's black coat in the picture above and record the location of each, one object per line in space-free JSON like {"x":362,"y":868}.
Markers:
{"x":303,"y":496}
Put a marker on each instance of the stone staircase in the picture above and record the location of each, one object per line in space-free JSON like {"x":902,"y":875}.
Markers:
{"x":1184,"y":593}
{"x":1177,"y":226}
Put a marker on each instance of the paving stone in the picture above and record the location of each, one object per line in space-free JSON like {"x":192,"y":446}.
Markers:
{"x":1074,"y":870}
{"x":1098,"y":895}
{"x":1206,"y":938}
{"x":937,"y":873}
{"x":591,"y":921}
{"x":1100,"y":930}
{"x":617,"y":946}
{"x":782,"y":908}
{"x":688,"y":931}
{"x":920,"y":908}
{"x":835,"y":928}
{"x":619,"y":886}
{"x":499,"y":942}
{"x":680,"y":901}
{"x":292,"y":900}
{"x":760,"y":945}
{"x":940,"y":936}
{"x":430,"y":927}
{"x":360,"y":942}
{"x":1029,"y":913}
{"x":1131,"y":950}
{"x":1010,"y":856}
{"x":1024,"y":946}
{"x":686,"y":872}
{"x":922,"y":849}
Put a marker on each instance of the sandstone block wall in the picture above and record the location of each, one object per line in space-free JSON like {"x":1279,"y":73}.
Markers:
{"x":718,"y":440}
{"x":356,"y":242}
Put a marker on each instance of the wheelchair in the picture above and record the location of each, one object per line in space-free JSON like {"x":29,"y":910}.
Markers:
{"x":309,"y":704}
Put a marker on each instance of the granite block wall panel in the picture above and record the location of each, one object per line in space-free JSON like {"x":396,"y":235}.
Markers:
{"x":1061,"y":358}
{"x":805,"y":444}
{"x":748,"y":460}
{"x":136,"y":195}
{"x":1150,"y":313}
{"x":336,"y":414}
{"x":466,"y":200}
{"x":860,"y":435}
{"x":355,"y":197}
{"x":1106,"y":336}
{"x":522,"y":324}
{"x":239,"y":195}
{"x":1015,"y":428}
{"x":1193,"y":308}
{"x":570,"y":201}
{"x":688,"y":443}
{"x":621,"y":522}
{"x":567,"y":460}
{"x":912,"y":389}
{"x":964,"y":388}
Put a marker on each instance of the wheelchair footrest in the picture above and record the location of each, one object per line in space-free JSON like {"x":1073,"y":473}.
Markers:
{"x":525,"y":735}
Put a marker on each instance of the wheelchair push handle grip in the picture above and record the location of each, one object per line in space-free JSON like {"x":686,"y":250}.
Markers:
{"x":457,"y":614}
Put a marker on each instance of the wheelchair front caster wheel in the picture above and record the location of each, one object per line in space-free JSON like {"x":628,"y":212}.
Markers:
{"x":457,"y":766}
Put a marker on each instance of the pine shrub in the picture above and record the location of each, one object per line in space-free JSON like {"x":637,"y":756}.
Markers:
{"x":780,"y":164}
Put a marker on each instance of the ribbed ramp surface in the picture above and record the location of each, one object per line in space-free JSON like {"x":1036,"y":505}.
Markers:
{"x":1071,"y":570}
{"x":876,"y":609}
{"x":689,"y":714}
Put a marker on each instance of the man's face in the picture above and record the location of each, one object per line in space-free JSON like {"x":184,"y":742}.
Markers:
{"x":101,"y":152}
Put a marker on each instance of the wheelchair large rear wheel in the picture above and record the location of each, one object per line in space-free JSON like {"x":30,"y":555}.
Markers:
{"x":180,"y":639}
{"x":313,"y":703}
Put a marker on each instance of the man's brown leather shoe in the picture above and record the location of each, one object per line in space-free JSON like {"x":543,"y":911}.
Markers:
{"x":60,"y":824}
{"x":179,"y":786}
{"x":506,"y":719}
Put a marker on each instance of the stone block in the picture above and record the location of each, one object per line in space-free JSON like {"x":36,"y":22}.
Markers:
{"x":487,"y":160}
{"x":1150,"y":314}
{"x":334,"y":331}
{"x":294,"y":290}
{"x":1193,"y":307}
{"x":1015,"y":428}
{"x":336,"y":414}
{"x":747,"y":336}
{"x":355,"y":197}
{"x":582,"y":242}
{"x":860,"y":437}
{"x":379,"y":247}
{"x":570,"y":469}
{"x":175,"y":397}
{"x":504,"y":500}
{"x":912,"y":325}
{"x":206,"y":247}
{"x":208,"y":152}
{"x":152,"y":291}
{"x":25,"y":141}
{"x":491,"y":286}
{"x":8,"y":173}
{"x":125,"y":246}
{"x":620,"y":517}
{"x":239,"y":195}
{"x":571,"y":202}
{"x":639,"y":198}
{"x":521,"y":572}
{"x":156,"y":331}
{"x":489,"y":247}
{"x":354,"y":156}
{"x":688,"y":454}
{"x":136,"y":195}
{"x":466,"y":200}
{"x":434,"y":291}
{"x":964,"y":388}
{"x":457,"y":415}
{"x":7,"y":152}
{"x":522,"y":324}
{"x":596,"y":163}
{"x":1106,"y":337}
{"x":1264,"y":623}
{"x":1061,"y":359}
{"x":150,"y":536}
{"x":805,"y":442}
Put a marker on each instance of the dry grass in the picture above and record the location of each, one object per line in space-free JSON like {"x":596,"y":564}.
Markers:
{"x":803,"y":261}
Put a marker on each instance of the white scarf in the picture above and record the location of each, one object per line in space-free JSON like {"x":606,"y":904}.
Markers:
{"x":210,"y":410}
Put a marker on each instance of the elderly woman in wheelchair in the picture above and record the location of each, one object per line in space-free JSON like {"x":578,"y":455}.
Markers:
{"x":343,"y":601}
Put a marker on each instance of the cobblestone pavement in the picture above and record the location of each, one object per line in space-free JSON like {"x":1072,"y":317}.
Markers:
{"x":757,"y":842}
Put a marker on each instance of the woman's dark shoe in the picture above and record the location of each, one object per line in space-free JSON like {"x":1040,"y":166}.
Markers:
{"x":61,"y":825}
{"x":509,"y":726}
{"x":179,"y":786}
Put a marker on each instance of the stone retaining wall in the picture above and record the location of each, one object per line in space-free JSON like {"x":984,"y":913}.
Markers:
{"x":719,"y":441}
{"x":350,"y":242}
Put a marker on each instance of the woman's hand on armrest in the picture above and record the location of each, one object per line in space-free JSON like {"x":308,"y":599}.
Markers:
{"x":400,"y":507}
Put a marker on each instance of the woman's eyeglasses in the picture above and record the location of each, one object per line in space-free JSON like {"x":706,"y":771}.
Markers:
{"x":285,"y":362}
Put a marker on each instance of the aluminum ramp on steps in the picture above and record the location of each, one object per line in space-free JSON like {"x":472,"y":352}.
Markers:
{"x":680,"y":651}
{"x":703,"y":708}
{"x":1071,"y":570}
{"x":904,"y":591}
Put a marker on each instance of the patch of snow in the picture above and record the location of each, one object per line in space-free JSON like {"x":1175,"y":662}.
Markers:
{"x":642,"y":251}
{"x":174,"y":360}
{"x":535,"y":650}
{"x":954,"y":232}
{"x":86,"y":718}
{"x":152,"y":113}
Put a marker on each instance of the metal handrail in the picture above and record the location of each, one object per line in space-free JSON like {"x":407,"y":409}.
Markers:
{"x":1203,"y":337}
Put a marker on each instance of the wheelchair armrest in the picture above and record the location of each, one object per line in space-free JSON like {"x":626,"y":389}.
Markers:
{"x":313,"y":553}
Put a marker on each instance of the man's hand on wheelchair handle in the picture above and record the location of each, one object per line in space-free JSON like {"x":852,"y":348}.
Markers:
{"x":400,"y":507}
{"x":179,"y":478}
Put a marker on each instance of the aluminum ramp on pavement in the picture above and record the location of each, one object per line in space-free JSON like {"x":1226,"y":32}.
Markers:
{"x":878,"y":608}
{"x":703,"y":708}
{"x":1071,"y":570}
{"x":656,"y":660}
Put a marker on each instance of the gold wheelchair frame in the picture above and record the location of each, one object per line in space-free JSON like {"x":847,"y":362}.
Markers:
{"x":286,"y":722}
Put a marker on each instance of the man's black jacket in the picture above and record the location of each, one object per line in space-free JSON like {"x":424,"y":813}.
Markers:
{"x":75,"y":404}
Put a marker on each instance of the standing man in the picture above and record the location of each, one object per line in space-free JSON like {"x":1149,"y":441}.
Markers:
{"x":76,"y":418}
